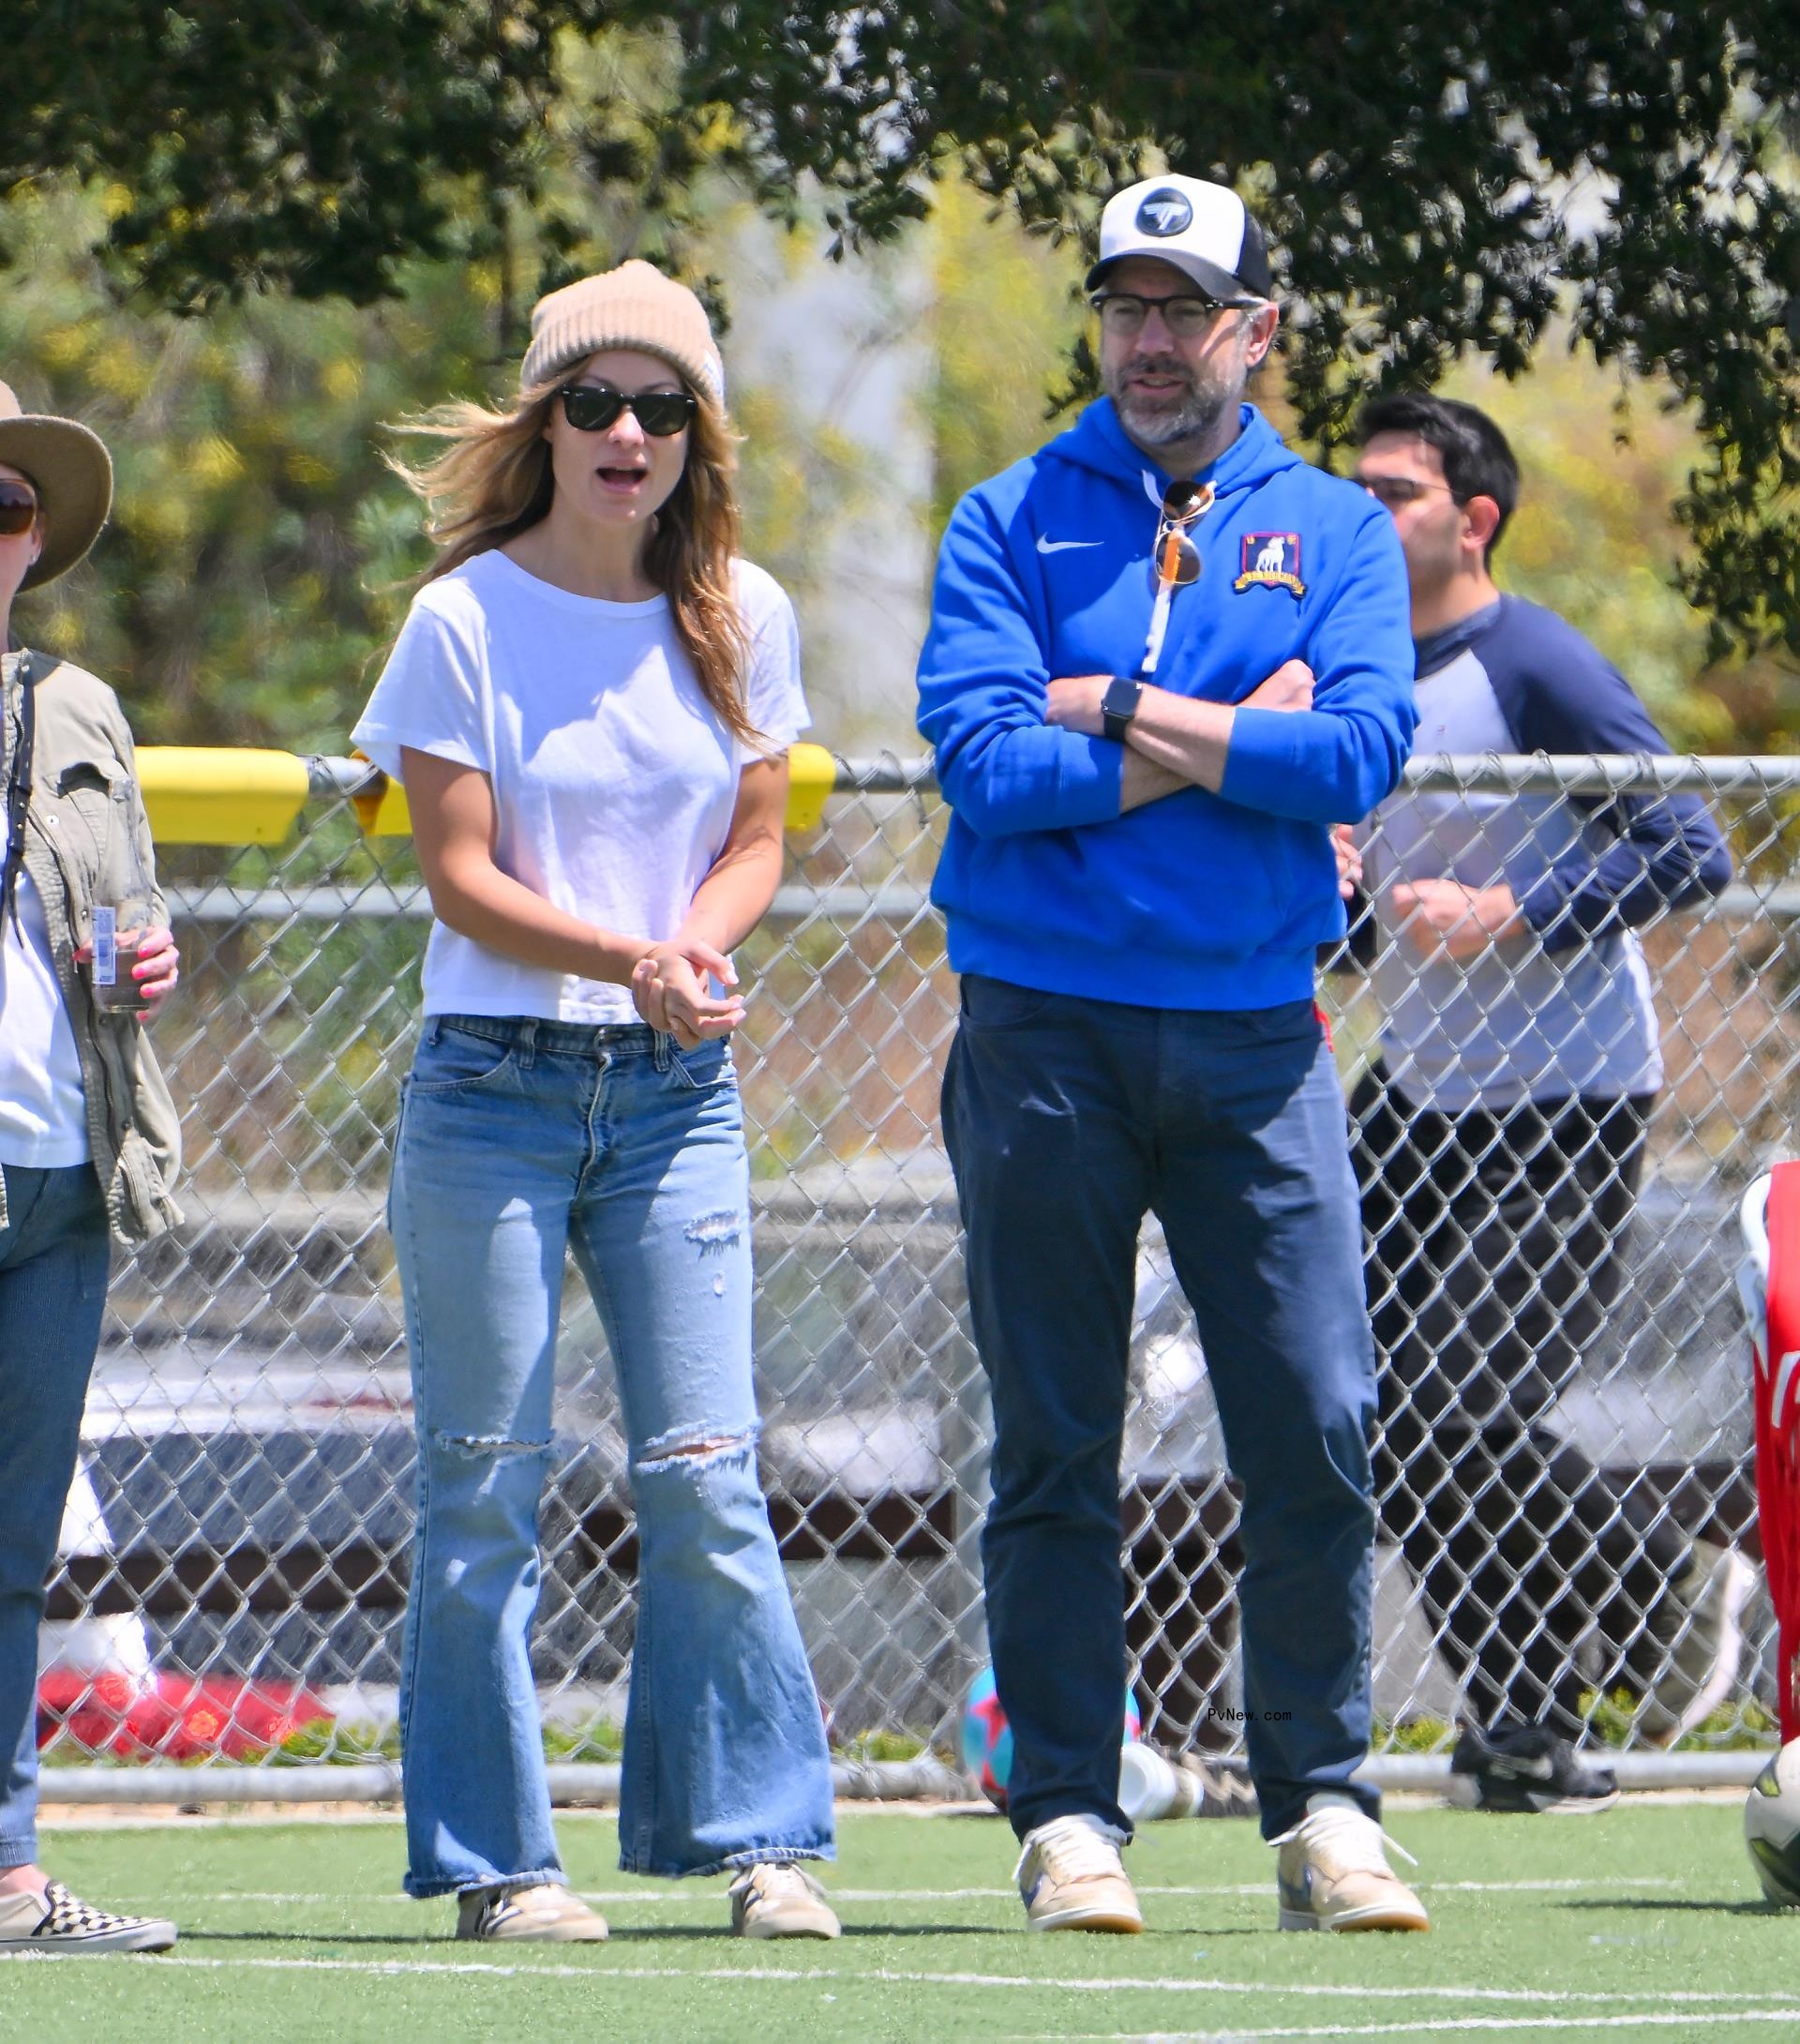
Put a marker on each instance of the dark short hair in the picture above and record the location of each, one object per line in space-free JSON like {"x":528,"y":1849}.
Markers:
{"x":1477,"y":459}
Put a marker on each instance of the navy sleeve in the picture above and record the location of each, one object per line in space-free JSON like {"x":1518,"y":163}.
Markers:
{"x":1560,"y":694}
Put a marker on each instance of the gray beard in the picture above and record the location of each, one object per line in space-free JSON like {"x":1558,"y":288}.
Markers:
{"x":1194,"y":418}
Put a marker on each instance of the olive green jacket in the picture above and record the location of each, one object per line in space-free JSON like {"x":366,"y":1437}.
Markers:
{"x":80,"y":752}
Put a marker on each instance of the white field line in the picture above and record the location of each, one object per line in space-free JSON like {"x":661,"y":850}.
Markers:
{"x":79,"y":1817}
{"x":901,"y":1895}
{"x":811,"y":1977}
{"x":1504,"y":2026}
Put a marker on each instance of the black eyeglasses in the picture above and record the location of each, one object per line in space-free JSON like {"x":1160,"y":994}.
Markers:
{"x":18,"y":508}
{"x":1396,"y":491}
{"x":591,"y":408}
{"x":1186,"y":314}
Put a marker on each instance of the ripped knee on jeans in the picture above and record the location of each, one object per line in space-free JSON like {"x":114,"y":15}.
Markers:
{"x":714,"y":1233}
{"x":478,"y":1447}
{"x":675,"y":1450}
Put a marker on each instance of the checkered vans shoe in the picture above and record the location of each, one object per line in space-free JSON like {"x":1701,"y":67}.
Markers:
{"x":58,"y":1922}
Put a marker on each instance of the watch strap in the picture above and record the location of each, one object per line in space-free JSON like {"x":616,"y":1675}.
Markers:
{"x":1119,"y":706}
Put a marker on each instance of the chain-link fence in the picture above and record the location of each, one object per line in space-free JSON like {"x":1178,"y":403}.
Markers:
{"x":236,"y":1543}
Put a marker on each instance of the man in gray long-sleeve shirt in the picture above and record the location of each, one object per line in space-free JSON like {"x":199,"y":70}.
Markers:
{"x":1499,"y":1140}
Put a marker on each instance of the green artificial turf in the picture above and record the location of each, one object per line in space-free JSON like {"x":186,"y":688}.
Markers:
{"x":1643,"y":1921}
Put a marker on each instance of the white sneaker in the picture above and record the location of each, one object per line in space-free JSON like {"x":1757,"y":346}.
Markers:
{"x":55,"y":1921}
{"x":1703,"y":1623}
{"x":1333,"y":1875}
{"x":546,"y":1913}
{"x":1070,"y":1878}
{"x":778,"y":1898}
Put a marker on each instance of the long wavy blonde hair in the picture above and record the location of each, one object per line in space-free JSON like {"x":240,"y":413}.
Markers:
{"x":494,"y":481}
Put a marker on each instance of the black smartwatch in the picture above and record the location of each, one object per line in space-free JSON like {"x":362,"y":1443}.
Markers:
{"x":1119,"y":706}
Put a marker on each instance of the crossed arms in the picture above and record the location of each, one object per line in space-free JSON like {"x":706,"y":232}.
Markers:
{"x":1018,"y":748}
{"x":1173,"y":741}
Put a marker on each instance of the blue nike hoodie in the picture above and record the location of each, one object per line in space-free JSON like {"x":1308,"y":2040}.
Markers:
{"x":1198,"y":900}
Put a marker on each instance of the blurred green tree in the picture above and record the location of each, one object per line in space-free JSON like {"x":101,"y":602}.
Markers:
{"x":261,"y":553}
{"x":1595,"y":538}
{"x":1434,"y":180}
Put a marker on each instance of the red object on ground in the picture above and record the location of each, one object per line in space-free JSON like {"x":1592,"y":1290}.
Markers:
{"x":1777,"y":1433}
{"x":170,"y":1717}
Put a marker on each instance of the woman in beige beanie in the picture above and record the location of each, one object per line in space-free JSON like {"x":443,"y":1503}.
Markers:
{"x":589,"y":705}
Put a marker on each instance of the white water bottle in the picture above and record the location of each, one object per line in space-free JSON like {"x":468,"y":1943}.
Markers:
{"x":1151,"y":1787}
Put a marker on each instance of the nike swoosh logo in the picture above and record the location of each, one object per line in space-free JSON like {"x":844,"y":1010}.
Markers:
{"x":1062,"y":546}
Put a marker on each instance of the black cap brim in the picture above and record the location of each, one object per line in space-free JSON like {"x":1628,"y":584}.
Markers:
{"x":1215,"y":282}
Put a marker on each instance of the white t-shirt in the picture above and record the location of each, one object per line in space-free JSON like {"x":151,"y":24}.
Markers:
{"x":43,"y":1103}
{"x":614,"y":782}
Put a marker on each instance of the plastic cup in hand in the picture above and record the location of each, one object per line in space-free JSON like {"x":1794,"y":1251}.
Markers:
{"x":111,"y":955}
{"x":119,"y":926}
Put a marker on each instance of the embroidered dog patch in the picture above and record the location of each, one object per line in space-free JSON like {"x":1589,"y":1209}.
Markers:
{"x":1270,"y":561}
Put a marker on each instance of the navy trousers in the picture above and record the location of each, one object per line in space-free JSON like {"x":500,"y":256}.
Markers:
{"x":1067,"y":1120}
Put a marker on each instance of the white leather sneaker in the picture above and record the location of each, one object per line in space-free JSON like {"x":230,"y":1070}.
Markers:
{"x":1070,"y":1878}
{"x":1333,"y":1875}
{"x":546,"y":1913}
{"x":778,"y":1898}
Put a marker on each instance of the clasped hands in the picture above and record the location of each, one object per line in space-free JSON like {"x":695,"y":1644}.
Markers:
{"x":670,"y":988}
{"x":1438,"y":914}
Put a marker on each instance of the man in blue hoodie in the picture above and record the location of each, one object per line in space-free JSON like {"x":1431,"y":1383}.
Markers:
{"x":1165,"y":656}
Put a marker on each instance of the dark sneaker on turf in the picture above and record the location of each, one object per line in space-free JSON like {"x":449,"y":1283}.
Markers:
{"x":544,"y":1913}
{"x":57,"y":1921}
{"x":777,"y":1898}
{"x":1525,"y":1771}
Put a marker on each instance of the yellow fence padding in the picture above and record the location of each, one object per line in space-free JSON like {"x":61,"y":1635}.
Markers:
{"x":233,"y":795}
{"x":381,"y":808}
{"x":206,"y":795}
{"x":812,"y":773}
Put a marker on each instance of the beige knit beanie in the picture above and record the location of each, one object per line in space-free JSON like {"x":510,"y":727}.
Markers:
{"x":635,"y":305}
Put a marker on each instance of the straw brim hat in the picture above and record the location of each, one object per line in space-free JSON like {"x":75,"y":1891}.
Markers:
{"x":72,"y":472}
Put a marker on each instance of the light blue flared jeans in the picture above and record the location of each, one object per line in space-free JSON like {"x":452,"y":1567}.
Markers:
{"x":519,"y":1140}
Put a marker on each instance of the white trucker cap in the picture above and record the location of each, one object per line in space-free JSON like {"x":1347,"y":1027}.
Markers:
{"x":1204,"y":230}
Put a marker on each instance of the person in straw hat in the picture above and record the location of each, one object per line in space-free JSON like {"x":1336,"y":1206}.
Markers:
{"x":89,"y":1139}
{"x":588,"y":706}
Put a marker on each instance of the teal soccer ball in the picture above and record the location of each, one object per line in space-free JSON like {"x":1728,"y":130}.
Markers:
{"x":987,"y":1739}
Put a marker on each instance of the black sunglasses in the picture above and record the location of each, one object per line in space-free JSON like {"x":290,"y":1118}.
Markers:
{"x":591,"y":408}
{"x":18,"y":508}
